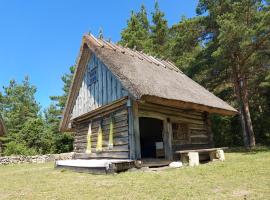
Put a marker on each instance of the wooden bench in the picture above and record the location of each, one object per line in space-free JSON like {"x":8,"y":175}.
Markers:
{"x":192,"y":156}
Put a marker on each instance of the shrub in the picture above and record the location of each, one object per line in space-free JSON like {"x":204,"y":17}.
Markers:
{"x":13,"y":148}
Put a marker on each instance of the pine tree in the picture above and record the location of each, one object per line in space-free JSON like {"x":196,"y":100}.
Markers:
{"x":18,"y":105}
{"x":159,"y":32}
{"x":236,"y":39}
{"x":63,"y":142}
{"x":136,"y":34}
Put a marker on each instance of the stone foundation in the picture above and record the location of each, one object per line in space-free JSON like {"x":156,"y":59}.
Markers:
{"x":6,"y":160}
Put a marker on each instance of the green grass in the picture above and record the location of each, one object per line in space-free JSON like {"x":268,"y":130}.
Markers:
{"x":244,"y":175}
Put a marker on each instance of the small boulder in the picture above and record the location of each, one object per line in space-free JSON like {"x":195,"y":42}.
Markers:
{"x":177,"y":164}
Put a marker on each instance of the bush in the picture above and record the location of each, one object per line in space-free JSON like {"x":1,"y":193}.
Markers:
{"x":63,"y":143}
{"x":13,"y":148}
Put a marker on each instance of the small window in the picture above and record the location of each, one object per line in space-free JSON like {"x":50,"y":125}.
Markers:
{"x":93,"y":76}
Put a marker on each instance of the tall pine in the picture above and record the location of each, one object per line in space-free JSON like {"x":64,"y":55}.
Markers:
{"x":159,"y":32}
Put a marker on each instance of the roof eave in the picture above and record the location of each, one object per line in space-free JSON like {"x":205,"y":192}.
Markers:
{"x":189,"y":105}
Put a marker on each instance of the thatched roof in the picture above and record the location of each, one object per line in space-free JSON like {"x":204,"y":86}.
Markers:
{"x":146,"y":78}
{"x":3,"y":129}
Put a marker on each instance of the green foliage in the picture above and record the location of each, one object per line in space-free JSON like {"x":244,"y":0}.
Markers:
{"x":226,"y":131}
{"x":63,"y":143}
{"x":35,"y":136}
{"x":28,"y":131}
{"x":159,"y":32}
{"x":14,"y":148}
{"x":137,"y":32}
{"x":18,"y":104}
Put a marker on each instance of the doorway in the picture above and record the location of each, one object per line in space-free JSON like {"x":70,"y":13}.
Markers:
{"x":151,"y":137}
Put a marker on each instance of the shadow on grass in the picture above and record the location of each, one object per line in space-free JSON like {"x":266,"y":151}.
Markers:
{"x":248,"y":151}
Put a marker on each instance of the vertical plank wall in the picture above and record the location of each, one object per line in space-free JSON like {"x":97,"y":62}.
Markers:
{"x":105,"y":90}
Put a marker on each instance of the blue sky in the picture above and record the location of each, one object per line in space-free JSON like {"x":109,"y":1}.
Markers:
{"x":42,"y":38}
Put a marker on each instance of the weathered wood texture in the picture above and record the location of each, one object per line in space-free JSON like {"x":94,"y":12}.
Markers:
{"x":120,"y":135}
{"x":105,"y":89}
{"x":187,"y":129}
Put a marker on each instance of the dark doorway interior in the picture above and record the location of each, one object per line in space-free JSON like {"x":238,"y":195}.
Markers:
{"x":150,"y":133}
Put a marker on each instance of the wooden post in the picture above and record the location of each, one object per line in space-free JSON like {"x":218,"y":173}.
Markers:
{"x":136,"y":130}
{"x":167,"y":139}
{"x":132,"y":154}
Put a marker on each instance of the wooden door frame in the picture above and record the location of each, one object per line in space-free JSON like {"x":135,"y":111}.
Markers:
{"x":166,"y":133}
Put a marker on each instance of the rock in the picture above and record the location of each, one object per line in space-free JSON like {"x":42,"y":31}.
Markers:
{"x":35,"y":159}
{"x":176,"y":164}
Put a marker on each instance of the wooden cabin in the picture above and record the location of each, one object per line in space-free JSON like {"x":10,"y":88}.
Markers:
{"x":3,"y":130}
{"x":124,"y":104}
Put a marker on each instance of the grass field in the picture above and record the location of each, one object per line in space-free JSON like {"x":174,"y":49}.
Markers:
{"x":244,"y":175}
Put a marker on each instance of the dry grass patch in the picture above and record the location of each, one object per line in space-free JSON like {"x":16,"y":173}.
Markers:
{"x":244,"y":175}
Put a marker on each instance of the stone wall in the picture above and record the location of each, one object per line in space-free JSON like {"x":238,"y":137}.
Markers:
{"x":6,"y":160}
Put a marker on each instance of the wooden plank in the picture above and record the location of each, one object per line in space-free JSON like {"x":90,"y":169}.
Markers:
{"x":167,"y":139}
{"x":96,"y":85}
{"x":102,"y":110}
{"x":105,"y":135}
{"x":202,"y":150}
{"x":136,"y":127}
{"x":170,"y":110}
{"x":132,"y":145}
{"x":118,"y":155}
{"x":178,"y":115}
{"x":118,"y":90}
{"x":104,"y":86}
{"x":100,"y":93}
{"x":109,"y":86}
{"x":187,"y":105}
{"x":114,"y":88}
{"x":161,"y":116}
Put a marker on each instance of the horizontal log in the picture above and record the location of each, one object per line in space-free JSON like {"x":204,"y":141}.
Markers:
{"x":120,"y":148}
{"x":106,"y":120}
{"x":105,"y":135}
{"x":175,"y":119}
{"x":199,"y":140}
{"x":187,"y":105}
{"x":102,"y":111}
{"x":116,"y":141}
{"x":95,"y":131}
{"x":171,"y":111}
{"x":116,"y":155}
{"x":197,"y":132}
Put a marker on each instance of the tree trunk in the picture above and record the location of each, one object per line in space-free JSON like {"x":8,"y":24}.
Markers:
{"x":238,"y":92}
{"x":249,"y":125}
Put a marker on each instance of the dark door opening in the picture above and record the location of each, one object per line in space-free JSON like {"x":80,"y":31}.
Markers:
{"x":150,"y":133}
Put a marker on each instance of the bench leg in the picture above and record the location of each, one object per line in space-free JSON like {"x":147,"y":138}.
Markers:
{"x":184,"y":158}
{"x":217,"y":155}
{"x":220,"y":155}
{"x":213,"y":155}
{"x":193,"y":159}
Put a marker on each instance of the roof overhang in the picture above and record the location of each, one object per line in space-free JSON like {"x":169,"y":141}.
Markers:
{"x":188,"y":105}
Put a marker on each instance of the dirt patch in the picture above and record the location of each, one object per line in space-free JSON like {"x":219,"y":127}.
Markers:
{"x":241,"y":193}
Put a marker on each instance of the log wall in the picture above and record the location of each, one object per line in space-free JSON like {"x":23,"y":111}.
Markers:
{"x":194,"y":127}
{"x":120,"y":148}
